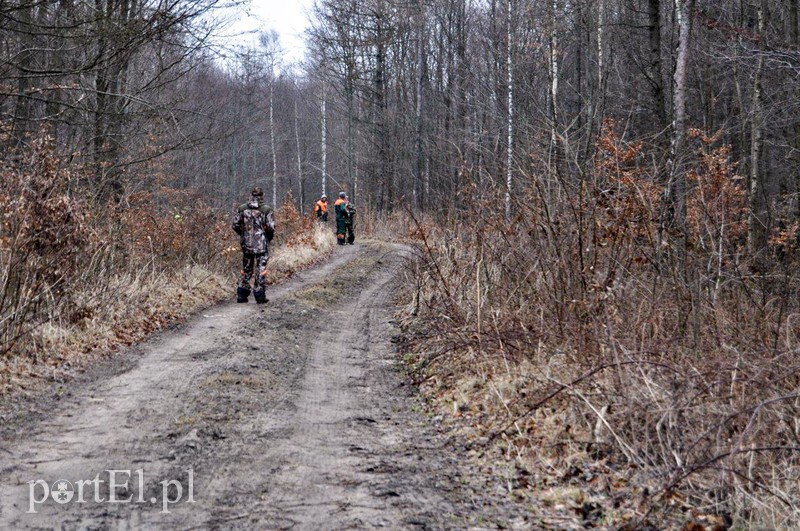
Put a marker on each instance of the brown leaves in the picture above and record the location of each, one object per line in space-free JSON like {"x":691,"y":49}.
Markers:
{"x":174,"y":224}
{"x":527,"y":336}
{"x":46,"y":233}
{"x":716,"y":202}
{"x":63,"y":260}
{"x":627,"y":199}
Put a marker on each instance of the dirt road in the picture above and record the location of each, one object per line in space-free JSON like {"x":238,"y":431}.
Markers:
{"x":287,"y":415}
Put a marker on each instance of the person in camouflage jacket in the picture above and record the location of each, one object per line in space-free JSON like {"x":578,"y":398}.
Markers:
{"x":255,"y":225}
{"x":350,"y":223}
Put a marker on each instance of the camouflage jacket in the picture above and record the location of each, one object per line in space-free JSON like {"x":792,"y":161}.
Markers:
{"x":255,"y":226}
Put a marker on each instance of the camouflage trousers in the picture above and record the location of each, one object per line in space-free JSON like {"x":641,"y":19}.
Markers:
{"x":250,"y":263}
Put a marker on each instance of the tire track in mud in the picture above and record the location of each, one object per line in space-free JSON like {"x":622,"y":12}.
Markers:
{"x":284,"y":416}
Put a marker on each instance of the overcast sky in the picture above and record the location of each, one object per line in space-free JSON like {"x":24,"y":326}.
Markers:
{"x":288,"y":17}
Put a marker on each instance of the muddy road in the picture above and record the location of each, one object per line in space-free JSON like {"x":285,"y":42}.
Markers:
{"x":290,"y":415}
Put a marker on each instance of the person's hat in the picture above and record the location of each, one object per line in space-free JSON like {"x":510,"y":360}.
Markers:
{"x":257,"y":192}
{"x":342,"y":194}
{"x":324,"y":196}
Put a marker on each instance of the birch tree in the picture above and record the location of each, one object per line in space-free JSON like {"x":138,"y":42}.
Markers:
{"x":300,"y":180}
{"x":272,"y":147}
{"x":324,"y":140}
{"x":754,"y":226}
{"x":683,"y":10}
{"x":510,"y":123}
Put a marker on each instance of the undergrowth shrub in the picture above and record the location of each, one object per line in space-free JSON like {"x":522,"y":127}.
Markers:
{"x":172,"y":225}
{"x":588,"y":338}
{"x":46,"y":235}
{"x":294,"y":228}
{"x":300,"y":241}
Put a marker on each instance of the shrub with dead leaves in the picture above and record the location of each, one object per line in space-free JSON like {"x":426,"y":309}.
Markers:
{"x":586,"y":349}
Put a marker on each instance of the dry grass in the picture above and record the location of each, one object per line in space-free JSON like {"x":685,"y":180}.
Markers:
{"x":577,"y":351}
{"x":139,"y":306}
{"x":288,"y":259}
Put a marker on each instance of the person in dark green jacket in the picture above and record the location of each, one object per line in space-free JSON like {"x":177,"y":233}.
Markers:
{"x":342,"y":217}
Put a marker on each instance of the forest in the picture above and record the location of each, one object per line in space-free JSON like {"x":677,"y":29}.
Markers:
{"x":602,"y":194}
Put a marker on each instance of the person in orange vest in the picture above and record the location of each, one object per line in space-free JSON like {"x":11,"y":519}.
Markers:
{"x":321,"y":209}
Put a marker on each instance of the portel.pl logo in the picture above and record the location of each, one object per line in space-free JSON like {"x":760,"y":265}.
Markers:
{"x":115,"y":490}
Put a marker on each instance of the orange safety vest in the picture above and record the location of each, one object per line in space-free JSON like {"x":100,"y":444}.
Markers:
{"x":321,"y":205}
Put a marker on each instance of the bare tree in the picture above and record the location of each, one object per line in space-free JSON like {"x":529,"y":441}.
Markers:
{"x":683,"y":11}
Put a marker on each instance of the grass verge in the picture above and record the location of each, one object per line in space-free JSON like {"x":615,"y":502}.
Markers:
{"x":132,"y":306}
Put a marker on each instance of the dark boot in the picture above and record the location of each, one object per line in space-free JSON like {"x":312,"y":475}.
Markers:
{"x":260,"y":296}
{"x":242,"y":294}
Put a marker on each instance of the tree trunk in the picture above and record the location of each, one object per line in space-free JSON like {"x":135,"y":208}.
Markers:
{"x":324,"y":147}
{"x":683,"y":10}
{"x":300,"y":182}
{"x":272,"y":149}
{"x":794,"y":35}
{"x":601,"y":55}
{"x":381,"y":138}
{"x":111,"y":84}
{"x":419,"y":198}
{"x":22,"y":107}
{"x":655,"y":70}
{"x":756,"y":234}
{"x":510,"y":117}
{"x":554,"y":154}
